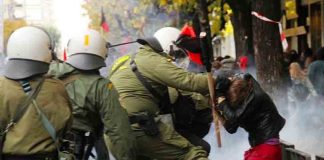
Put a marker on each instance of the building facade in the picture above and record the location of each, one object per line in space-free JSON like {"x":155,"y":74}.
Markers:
{"x":18,"y":13}
{"x":34,"y":12}
{"x":306,"y":27}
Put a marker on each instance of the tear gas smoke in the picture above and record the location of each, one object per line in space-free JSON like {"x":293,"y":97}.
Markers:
{"x":154,"y":19}
{"x":304,"y":128}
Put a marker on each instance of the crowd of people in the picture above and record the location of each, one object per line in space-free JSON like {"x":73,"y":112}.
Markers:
{"x":303,"y":75}
{"x":305,"y":78}
{"x":151,"y":105}
{"x":227,"y":65}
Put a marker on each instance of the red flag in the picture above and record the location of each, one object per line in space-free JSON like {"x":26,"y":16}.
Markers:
{"x":103,"y":23}
{"x":188,"y":31}
{"x":64,"y":55}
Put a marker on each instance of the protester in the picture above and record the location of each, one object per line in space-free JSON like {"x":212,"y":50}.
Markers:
{"x":308,"y":58}
{"x":243,"y":63}
{"x":294,"y":56}
{"x":316,"y":74}
{"x":301,"y":89}
{"x":243,"y":103}
{"x":226,"y":67}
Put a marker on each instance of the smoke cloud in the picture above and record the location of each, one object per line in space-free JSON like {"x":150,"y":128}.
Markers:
{"x":154,"y":18}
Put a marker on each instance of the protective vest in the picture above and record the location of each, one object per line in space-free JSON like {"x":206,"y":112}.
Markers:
{"x":96,"y":104}
{"x":29,"y":136}
{"x":78,"y":87}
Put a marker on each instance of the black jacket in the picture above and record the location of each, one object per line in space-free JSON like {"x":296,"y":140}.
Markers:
{"x":258,"y":115}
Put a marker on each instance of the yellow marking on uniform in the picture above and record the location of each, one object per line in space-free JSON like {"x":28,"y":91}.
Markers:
{"x":86,"y":40}
{"x":119,"y":61}
{"x":110,"y":86}
{"x":122,"y":67}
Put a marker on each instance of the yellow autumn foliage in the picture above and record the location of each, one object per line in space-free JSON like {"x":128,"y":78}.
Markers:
{"x":215,"y":10}
{"x":12,"y":25}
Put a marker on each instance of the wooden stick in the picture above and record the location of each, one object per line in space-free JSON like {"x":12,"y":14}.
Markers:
{"x":215,"y":117}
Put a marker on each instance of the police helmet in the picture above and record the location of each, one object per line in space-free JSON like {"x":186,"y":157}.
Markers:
{"x":29,"y":52}
{"x":87,"y":51}
{"x":163,"y":40}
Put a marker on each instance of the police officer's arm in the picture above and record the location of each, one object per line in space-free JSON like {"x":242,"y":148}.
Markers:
{"x":201,"y":101}
{"x":168,"y":74}
{"x":116,"y":122}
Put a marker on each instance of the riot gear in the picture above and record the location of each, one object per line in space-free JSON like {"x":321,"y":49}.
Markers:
{"x":29,"y":52}
{"x":87,"y":51}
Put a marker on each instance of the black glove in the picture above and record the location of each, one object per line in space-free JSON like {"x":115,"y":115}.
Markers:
{"x":222,"y":85}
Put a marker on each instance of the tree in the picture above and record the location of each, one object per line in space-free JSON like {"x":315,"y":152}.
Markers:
{"x":242,"y":23}
{"x":188,"y":8}
{"x":220,"y":14}
{"x":127,"y":19}
{"x":267,"y":44}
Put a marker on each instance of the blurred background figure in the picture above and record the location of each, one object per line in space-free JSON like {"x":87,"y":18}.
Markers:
{"x":316,"y":74}
{"x":308,"y":58}
{"x":243,"y":63}
{"x":301,"y":90}
{"x":224,"y":66}
{"x":294,"y":56}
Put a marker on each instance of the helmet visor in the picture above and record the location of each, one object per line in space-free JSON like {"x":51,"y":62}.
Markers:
{"x":22,"y":68}
{"x":85,"y":61}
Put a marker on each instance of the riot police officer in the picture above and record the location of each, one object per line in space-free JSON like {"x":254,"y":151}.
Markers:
{"x":34,"y":108}
{"x":142,"y":80}
{"x":93,"y":97}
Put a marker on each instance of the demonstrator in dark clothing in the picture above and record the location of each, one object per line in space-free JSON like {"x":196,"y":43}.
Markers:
{"x":316,"y":72}
{"x":243,"y":103}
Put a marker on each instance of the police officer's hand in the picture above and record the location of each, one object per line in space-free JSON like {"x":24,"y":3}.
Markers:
{"x":222,"y":85}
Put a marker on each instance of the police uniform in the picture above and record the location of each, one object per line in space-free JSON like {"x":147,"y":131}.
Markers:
{"x":135,"y":98}
{"x":95,"y":101}
{"x":28,"y":136}
{"x":25,"y":86}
